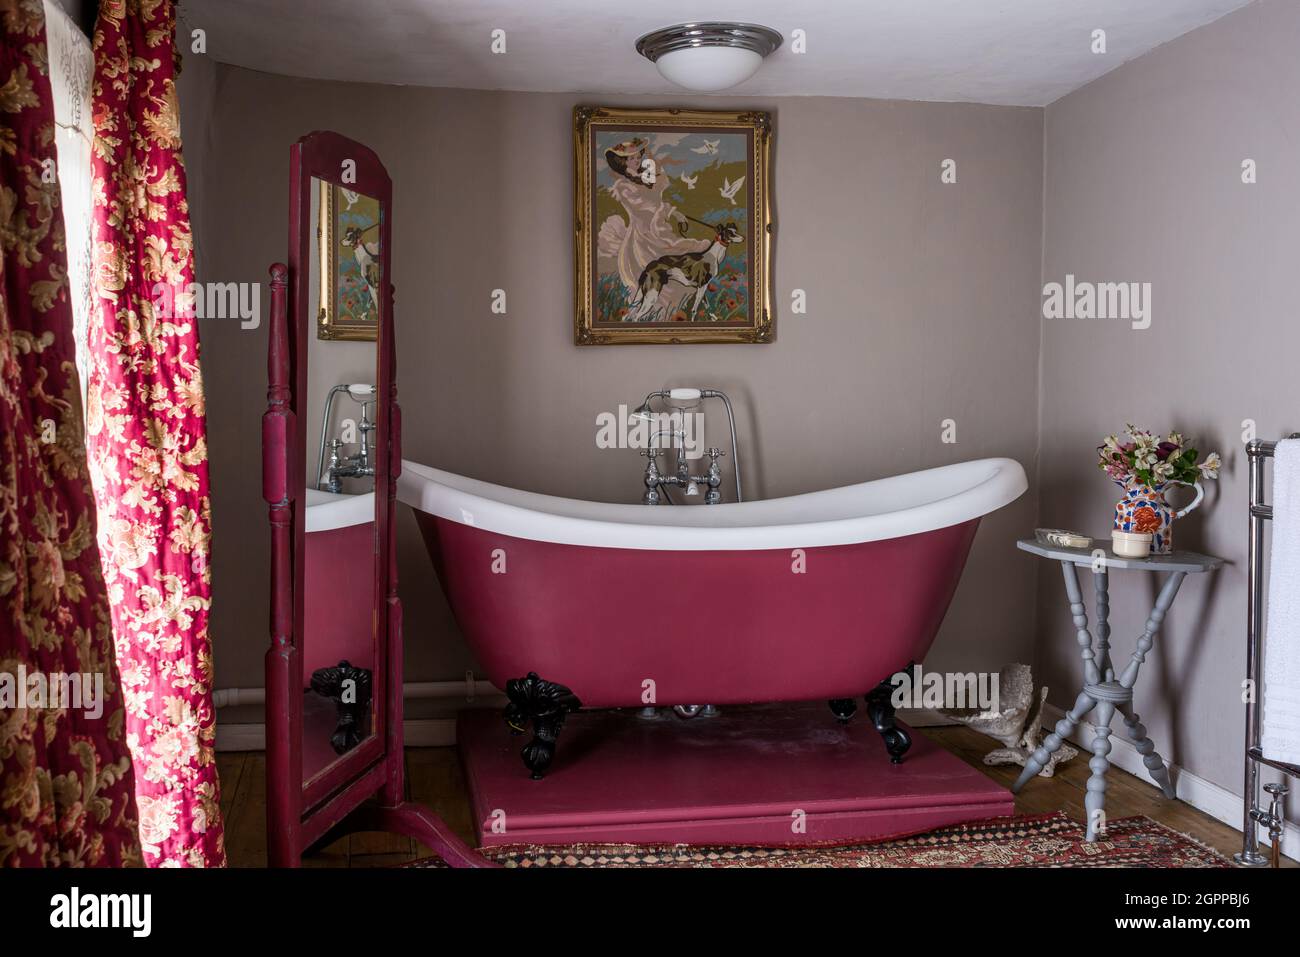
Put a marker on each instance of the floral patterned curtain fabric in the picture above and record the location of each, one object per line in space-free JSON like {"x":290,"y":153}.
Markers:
{"x":66,"y":787}
{"x":146,"y":434}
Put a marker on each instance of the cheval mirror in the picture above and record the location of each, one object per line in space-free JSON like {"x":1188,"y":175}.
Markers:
{"x":331,"y":445}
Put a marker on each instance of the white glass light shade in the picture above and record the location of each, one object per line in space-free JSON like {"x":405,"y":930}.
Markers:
{"x":708,"y":68}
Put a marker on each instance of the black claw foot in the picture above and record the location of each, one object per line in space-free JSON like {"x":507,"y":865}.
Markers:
{"x":843,"y":708}
{"x":881,"y":711}
{"x":545,"y":704}
{"x":349,"y":689}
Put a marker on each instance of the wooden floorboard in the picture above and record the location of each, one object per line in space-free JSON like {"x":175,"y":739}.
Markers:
{"x":434,"y":778}
{"x":230,"y":767}
{"x":246,"y":819}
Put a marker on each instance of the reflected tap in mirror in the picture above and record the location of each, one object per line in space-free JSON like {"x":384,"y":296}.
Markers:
{"x":338,"y":465}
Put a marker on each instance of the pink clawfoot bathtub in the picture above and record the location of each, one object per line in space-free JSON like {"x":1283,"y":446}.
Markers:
{"x":822,"y":595}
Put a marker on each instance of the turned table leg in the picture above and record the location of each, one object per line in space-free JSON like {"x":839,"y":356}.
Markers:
{"x":1101,"y":595}
{"x":1095,"y":800}
{"x":1052,"y":743}
{"x":1154,"y":620}
{"x":1137,"y":733}
{"x":1092,"y":674}
{"x":1079,"y":615}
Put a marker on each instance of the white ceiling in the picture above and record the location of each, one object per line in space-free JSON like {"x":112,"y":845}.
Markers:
{"x":1018,"y":52}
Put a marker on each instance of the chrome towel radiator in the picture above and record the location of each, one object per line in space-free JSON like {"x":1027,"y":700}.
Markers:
{"x":1253,"y":814}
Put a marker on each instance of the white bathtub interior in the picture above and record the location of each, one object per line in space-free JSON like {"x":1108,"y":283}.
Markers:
{"x":327,"y":510}
{"x":869,"y":511}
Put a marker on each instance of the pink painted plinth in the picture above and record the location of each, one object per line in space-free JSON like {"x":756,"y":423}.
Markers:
{"x":736,"y":778}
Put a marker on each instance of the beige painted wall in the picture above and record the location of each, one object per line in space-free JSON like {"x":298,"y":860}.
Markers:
{"x":922,"y":306}
{"x":196,"y":90}
{"x":1143,"y":183}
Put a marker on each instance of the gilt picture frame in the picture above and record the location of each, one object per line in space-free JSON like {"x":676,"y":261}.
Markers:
{"x":348,"y":236}
{"x":672,"y":226}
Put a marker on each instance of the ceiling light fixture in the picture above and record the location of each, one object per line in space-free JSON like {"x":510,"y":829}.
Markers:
{"x":708,"y":56}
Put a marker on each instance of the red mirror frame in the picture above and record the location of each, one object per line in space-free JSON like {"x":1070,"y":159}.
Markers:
{"x":301,"y":814}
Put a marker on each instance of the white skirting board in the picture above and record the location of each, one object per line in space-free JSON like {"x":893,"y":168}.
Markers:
{"x":1206,"y":796}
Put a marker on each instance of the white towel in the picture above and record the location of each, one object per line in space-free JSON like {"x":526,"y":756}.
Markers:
{"x":1280,"y":738}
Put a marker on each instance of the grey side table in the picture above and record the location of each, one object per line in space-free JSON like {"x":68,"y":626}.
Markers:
{"x":1102,"y":691}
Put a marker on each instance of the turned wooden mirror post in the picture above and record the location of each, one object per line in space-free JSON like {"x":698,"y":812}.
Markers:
{"x":334,"y":669}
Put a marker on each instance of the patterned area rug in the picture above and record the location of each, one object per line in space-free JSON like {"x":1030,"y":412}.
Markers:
{"x":1047,"y":840}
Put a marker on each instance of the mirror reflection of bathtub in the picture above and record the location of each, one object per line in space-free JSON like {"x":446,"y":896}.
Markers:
{"x":338,"y":581}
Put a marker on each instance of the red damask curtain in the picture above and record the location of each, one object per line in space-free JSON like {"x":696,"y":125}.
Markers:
{"x":66,"y":788}
{"x":145,"y":428}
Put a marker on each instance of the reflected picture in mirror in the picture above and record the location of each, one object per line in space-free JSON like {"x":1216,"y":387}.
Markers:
{"x":338,"y":643}
{"x":348,"y":233}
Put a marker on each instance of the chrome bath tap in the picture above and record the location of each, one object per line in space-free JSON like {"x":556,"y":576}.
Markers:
{"x":682,"y":477}
{"x":657,"y":481}
{"x":339,"y":467}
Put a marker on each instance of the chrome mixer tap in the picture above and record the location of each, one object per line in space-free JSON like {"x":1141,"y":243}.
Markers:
{"x":657,"y":480}
{"x":339,"y":467}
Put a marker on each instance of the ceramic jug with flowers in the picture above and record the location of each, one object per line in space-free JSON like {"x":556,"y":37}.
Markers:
{"x":1145,"y":467}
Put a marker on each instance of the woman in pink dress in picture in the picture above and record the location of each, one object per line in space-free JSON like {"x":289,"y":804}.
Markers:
{"x":653,"y":224}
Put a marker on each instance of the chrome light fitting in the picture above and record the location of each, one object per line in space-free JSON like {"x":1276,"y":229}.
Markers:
{"x":708,"y":56}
